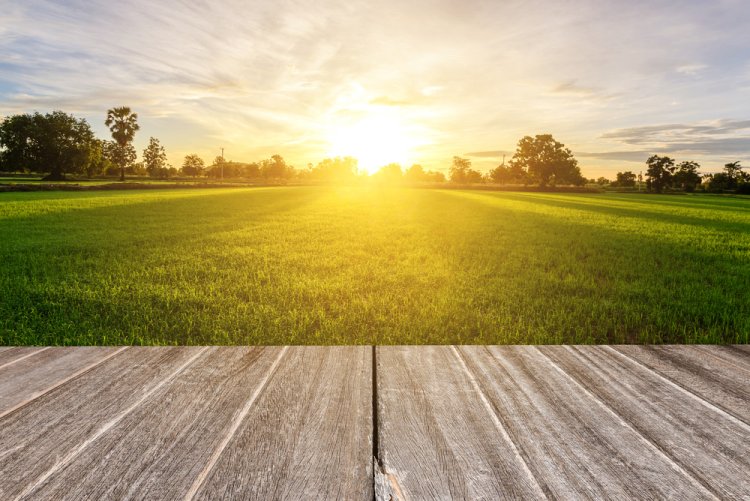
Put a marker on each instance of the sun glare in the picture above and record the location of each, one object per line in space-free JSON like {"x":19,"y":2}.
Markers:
{"x":375,"y":138}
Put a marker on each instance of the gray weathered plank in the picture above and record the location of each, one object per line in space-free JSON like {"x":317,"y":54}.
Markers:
{"x":438,"y":435}
{"x":575,"y":447}
{"x":701,"y":439}
{"x":157,"y":450}
{"x":735,"y":355}
{"x":33,"y":376}
{"x":705,"y":373}
{"x":13,"y":354}
{"x":308,"y":436}
{"x":34,"y":438}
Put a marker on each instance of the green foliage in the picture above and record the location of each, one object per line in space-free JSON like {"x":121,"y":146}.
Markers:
{"x":314,"y":265}
{"x":193,"y":165}
{"x":123,"y":124}
{"x":687,"y":178}
{"x":276,"y":168}
{"x":626,"y":179}
{"x":546,"y":161}
{"x":659,"y":172}
{"x":155,"y":159}
{"x":732,"y":179}
{"x":56,"y":143}
{"x":509,"y":174}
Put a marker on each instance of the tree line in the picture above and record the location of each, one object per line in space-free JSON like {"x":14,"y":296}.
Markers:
{"x":57,"y":144}
{"x":664,"y":174}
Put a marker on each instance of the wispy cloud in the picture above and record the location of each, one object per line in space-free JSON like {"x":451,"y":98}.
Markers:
{"x":264,"y":76}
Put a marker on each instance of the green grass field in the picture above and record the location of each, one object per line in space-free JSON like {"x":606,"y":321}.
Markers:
{"x":317,"y":265}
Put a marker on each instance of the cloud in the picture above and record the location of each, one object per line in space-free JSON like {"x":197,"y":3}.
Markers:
{"x":626,"y":156}
{"x":489,"y":154}
{"x":571,"y":88}
{"x":691,"y":69}
{"x":709,"y":138}
{"x":255,"y":76}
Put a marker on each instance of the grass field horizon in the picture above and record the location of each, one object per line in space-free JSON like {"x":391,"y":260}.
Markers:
{"x":372,"y":265}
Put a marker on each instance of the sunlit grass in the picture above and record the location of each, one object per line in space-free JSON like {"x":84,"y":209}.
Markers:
{"x":315,"y":265}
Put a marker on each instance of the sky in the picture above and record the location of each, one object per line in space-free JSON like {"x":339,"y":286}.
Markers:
{"x":415,"y":81}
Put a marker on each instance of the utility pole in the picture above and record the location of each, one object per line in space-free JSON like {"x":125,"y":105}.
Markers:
{"x":222,"y":163}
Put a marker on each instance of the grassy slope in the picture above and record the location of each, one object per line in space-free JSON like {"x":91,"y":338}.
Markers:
{"x":357,"y":265}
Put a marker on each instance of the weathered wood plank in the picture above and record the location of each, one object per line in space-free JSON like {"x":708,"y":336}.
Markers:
{"x":439,"y":437}
{"x":705,"y":373}
{"x":575,"y":447}
{"x":735,"y":355}
{"x":34,"y":438}
{"x":701,"y":439}
{"x":25,"y":380}
{"x":14,"y":354}
{"x":308,"y":436}
{"x":157,"y":450}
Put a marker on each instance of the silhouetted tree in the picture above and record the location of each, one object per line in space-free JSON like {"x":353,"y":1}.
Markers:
{"x":462,"y":173}
{"x":417,"y":174}
{"x":339,"y":169}
{"x":56,"y":142}
{"x":733,"y":171}
{"x":123,"y":124}
{"x":547,"y":161}
{"x":686,"y":176}
{"x":389,"y":174}
{"x":626,"y":179}
{"x":192,"y":165}
{"x":276,"y":168}
{"x":508,"y":174}
{"x":730,"y":180}
{"x":155,"y":159}
{"x":659,"y":172}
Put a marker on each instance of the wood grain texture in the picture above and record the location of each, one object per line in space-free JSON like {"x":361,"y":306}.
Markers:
{"x":704,"y":371}
{"x":12,"y":355}
{"x":576,"y":448}
{"x":711,"y":446}
{"x":157,"y":450}
{"x":31,"y":377}
{"x":36,"y":436}
{"x":437,"y":437}
{"x":309,"y":434}
{"x":736,"y":355}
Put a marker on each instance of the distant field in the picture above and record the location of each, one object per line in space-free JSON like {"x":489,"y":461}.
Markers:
{"x":316,"y":265}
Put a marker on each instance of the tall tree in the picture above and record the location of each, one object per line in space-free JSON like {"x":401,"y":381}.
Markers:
{"x":155,"y":158}
{"x":461,"y":171}
{"x":659,"y":172}
{"x":123,"y":124}
{"x":16,"y":133}
{"x":686,"y":176}
{"x":193,"y":165}
{"x":546,"y":160}
{"x":56,"y":142}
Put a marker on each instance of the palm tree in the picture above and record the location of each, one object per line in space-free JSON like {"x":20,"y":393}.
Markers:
{"x":123,"y":124}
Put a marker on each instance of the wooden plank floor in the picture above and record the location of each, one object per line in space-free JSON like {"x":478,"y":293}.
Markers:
{"x":391,"y":422}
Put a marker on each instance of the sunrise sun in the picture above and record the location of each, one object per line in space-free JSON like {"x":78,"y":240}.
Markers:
{"x":375,"y":138}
